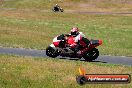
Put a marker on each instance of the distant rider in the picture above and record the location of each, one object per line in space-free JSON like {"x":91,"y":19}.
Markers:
{"x":56,"y":7}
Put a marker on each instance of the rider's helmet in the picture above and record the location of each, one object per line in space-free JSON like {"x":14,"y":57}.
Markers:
{"x":74,"y":31}
{"x":56,"y":4}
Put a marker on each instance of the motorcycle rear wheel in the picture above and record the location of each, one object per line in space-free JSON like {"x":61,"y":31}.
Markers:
{"x":92,"y":55}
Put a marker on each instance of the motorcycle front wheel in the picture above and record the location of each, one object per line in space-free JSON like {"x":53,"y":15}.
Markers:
{"x":51,"y":52}
{"x":61,"y":10}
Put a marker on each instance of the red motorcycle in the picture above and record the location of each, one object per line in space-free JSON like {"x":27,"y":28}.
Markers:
{"x":88,"y":53}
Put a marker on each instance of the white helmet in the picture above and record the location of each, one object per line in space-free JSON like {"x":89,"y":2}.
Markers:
{"x":74,"y":31}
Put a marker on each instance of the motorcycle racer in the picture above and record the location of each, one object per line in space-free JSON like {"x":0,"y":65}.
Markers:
{"x":78,"y":37}
{"x":63,"y":44}
{"x":56,"y":7}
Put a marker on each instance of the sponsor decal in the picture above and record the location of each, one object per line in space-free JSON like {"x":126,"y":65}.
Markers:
{"x":84,"y":78}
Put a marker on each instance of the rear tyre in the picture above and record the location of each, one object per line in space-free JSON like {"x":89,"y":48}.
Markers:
{"x":92,"y":55}
{"x":51,"y":52}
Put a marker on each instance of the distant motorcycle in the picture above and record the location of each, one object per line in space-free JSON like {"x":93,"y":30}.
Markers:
{"x":89,"y":54}
{"x":57,"y":9}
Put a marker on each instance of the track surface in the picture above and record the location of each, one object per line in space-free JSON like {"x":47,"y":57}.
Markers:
{"x":41,"y":53}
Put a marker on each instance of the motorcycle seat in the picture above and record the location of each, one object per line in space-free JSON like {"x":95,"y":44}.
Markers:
{"x":94,"y":42}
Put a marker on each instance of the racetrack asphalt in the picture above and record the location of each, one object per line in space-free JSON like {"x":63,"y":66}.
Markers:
{"x":41,"y":53}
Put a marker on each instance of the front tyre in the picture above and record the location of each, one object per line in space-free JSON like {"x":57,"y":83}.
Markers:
{"x":51,"y":52}
{"x":61,"y":10}
{"x":91,"y":55}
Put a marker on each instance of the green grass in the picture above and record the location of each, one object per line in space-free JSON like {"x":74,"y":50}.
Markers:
{"x":35,"y":29}
{"x":23,"y":72}
{"x":29,"y":26}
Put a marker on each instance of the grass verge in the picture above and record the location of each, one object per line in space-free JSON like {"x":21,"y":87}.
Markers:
{"x":21,"y":72}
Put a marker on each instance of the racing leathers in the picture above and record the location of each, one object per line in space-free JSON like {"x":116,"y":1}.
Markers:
{"x":56,"y":8}
{"x":77,"y":40}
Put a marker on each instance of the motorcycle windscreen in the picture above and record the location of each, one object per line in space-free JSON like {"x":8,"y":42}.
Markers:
{"x":56,"y":44}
